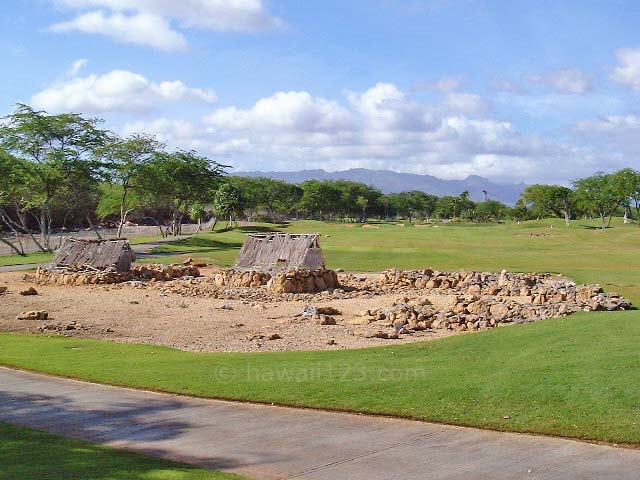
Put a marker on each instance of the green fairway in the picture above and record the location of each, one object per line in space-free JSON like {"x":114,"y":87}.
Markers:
{"x":32,"y":454}
{"x":588,"y":255}
{"x":577,"y":376}
{"x":40,"y":257}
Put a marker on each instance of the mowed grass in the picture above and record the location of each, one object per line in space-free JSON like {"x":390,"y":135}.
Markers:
{"x":610,"y":257}
{"x":576,"y":377}
{"x":31,"y":454}
{"x":9,"y":260}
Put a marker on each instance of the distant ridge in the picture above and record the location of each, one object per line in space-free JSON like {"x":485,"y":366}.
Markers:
{"x":392,"y":182}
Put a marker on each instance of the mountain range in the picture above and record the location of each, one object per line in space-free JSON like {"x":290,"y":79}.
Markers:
{"x":393,"y":182}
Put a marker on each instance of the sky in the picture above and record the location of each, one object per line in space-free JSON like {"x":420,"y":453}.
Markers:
{"x":515,"y":91}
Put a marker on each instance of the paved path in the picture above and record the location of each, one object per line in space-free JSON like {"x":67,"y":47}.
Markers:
{"x":266,"y":442}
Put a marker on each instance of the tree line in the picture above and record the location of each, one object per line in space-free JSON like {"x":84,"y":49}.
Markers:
{"x":64,"y":171}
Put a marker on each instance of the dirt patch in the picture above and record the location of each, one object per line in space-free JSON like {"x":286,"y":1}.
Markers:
{"x":201,"y":314}
{"x":215,"y":320}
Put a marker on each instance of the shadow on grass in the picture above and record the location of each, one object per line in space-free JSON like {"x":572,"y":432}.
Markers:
{"x":27,"y":453}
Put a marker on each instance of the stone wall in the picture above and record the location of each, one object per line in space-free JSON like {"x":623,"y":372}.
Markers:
{"x":476,"y":301}
{"x":292,"y":281}
{"x":111,"y":275}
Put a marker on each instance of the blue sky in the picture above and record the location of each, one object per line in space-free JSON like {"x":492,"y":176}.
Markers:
{"x":511,"y":90}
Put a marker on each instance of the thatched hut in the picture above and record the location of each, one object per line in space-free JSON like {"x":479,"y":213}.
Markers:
{"x":273,"y":252}
{"x":94,"y":254}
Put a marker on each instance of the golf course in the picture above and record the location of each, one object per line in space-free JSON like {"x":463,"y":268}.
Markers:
{"x":575,"y":377}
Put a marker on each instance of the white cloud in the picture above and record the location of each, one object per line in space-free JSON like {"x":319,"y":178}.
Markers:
{"x":628,"y":70}
{"x":385,"y":107}
{"x":149,"y":22}
{"x":615,"y":137}
{"x":295,"y":111}
{"x":76,"y":66}
{"x":377,"y":128}
{"x":116,"y":91}
{"x":466,"y":103}
{"x":141,"y":28}
{"x":566,"y":81}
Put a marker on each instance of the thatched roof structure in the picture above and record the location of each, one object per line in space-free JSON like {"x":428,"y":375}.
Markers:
{"x":96,"y":254}
{"x":281,"y":251}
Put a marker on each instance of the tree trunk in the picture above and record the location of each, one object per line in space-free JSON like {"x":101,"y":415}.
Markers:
{"x":93,"y":227}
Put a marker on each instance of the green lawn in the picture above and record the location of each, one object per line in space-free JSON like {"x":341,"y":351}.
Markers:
{"x":6,"y":260}
{"x":610,"y":257}
{"x":32,"y":454}
{"x":577,"y":377}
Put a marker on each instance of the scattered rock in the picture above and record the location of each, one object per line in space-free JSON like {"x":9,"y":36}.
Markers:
{"x":29,"y":291}
{"x":33,"y":315}
{"x":3,"y":290}
{"x":274,"y":336}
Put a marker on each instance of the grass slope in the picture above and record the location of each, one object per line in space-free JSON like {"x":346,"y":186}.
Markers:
{"x":31,"y":454}
{"x":577,"y":377}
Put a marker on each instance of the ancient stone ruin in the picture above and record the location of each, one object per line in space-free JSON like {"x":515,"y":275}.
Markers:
{"x":94,"y":254}
{"x":284,"y":262}
{"x":98,"y":262}
{"x":274,"y":252}
{"x":480,"y":300}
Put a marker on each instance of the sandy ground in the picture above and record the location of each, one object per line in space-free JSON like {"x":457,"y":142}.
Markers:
{"x":128,"y":313}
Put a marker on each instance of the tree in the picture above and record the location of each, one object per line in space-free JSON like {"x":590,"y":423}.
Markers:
{"x":319,"y":197}
{"x":175,"y":181}
{"x":228,"y":202}
{"x":126,"y":159}
{"x":601,"y":193}
{"x":60,"y":169}
{"x":549,"y":200}
{"x":490,"y":211}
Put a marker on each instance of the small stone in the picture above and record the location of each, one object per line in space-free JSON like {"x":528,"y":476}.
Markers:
{"x":33,"y":315}
{"x":274,"y":336}
{"x":29,"y":291}
{"x":3,"y":290}
{"x":328,"y":310}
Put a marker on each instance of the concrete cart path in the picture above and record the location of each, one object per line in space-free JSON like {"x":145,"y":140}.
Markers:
{"x":265,"y":442}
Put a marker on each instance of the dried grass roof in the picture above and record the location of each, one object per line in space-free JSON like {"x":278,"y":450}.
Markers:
{"x":97,"y":254}
{"x":281,"y":251}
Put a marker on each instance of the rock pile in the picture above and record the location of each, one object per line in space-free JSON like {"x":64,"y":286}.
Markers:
{"x":528,"y":288}
{"x":478,"y":301}
{"x":33,"y":315}
{"x":303,"y":281}
{"x":88,"y":276}
{"x":158,"y":271}
{"x":293,"y":281}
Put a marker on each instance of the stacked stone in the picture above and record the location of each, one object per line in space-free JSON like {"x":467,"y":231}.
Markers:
{"x":241,"y":278}
{"x":156,"y":271}
{"x":525,"y":288}
{"x":81,"y":277}
{"x":292,"y":281}
{"x":303,"y":281}
{"x":478,"y":301}
{"x":112,"y":276}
